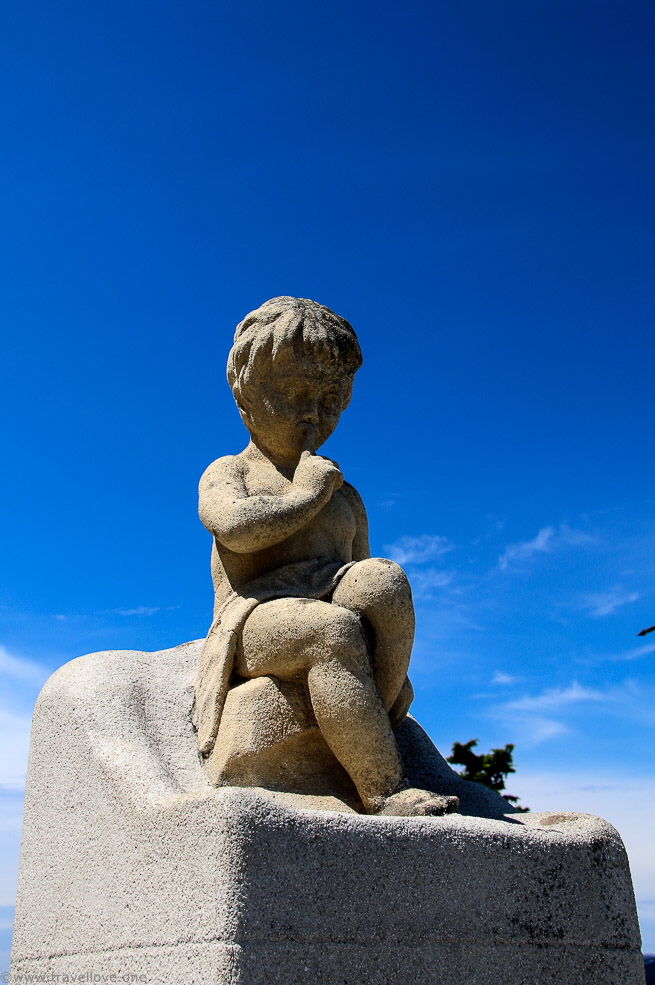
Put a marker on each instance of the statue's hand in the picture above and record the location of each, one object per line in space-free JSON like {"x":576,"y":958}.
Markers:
{"x":317,"y":474}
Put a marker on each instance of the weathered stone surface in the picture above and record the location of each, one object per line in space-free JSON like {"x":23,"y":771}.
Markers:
{"x":282,"y":820}
{"x":299,"y":602}
{"x":133,"y":864}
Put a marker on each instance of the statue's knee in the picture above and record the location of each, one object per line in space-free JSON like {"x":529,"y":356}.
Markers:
{"x":344,"y":630}
{"x":338,"y":633}
{"x":381,"y":579}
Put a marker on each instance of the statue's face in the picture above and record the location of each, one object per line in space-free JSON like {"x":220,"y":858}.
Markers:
{"x":286,"y":407}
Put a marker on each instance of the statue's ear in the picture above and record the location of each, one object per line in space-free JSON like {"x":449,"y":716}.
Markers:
{"x":242,"y":407}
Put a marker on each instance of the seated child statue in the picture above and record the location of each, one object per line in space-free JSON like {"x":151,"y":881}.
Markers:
{"x":297,"y":596}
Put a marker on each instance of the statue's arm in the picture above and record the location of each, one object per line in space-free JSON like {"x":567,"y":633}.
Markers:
{"x":361,"y":548}
{"x":244,"y":523}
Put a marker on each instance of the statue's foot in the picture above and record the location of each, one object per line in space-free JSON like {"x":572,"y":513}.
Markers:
{"x":412,"y":802}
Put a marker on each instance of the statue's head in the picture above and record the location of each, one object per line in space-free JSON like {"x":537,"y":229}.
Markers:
{"x":291,"y":370}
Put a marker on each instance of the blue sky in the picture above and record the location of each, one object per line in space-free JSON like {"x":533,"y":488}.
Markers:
{"x":471,"y":186}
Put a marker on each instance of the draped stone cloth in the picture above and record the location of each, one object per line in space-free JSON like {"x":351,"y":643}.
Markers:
{"x":312,"y":579}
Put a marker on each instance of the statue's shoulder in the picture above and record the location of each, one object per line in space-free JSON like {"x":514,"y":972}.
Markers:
{"x":355,"y":500}
{"x":350,"y":491}
{"x":226,"y":467}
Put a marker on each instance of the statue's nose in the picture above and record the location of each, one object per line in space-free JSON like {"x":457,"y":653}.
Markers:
{"x":310,"y":412}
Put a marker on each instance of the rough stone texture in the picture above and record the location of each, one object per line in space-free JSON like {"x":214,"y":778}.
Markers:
{"x":240,"y":854}
{"x":133,"y":864}
{"x":303,"y":674}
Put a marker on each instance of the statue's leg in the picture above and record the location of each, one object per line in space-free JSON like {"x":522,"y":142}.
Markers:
{"x":378,"y":591}
{"x":325,"y":644}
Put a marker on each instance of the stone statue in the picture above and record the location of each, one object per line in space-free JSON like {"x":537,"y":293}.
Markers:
{"x":305,"y":621}
{"x":265,"y":859}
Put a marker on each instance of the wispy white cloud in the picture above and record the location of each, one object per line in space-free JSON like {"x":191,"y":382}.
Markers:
{"x":418,"y":550}
{"x":6,"y":918}
{"x":21,"y":669}
{"x":556,"y":698}
{"x":605,"y":603}
{"x":426,"y":581}
{"x":638,"y":653}
{"x":387,"y":504}
{"x":11,"y":811}
{"x":557,"y":710}
{"x":139,"y":610}
{"x":136,"y":610}
{"x":15,"y":740}
{"x":540,"y":544}
{"x":547,"y":541}
{"x":20,"y":682}
{"x":504,"y":679}
{"x":540,"y":717}
{"x":540,"y":728}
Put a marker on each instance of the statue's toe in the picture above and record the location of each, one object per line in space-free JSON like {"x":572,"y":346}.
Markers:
{"x":417,"y":803}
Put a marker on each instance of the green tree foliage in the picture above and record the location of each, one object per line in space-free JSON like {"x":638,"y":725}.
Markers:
{"x":488,"y":768}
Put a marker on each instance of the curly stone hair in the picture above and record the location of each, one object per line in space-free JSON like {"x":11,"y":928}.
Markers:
{"x":292,"y":331}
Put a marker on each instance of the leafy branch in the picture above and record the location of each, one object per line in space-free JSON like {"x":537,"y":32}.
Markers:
{"x":489,"y":768}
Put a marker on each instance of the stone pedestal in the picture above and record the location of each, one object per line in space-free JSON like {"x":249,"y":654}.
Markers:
{"x":133,"y":866}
